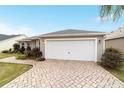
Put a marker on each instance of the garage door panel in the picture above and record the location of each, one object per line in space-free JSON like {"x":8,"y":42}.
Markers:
{"x":70,"y":49}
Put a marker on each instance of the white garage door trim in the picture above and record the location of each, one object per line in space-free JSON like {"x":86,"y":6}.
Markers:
{"x":95,"y":39}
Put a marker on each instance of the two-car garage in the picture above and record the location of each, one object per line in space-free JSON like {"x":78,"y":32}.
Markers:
{"x":71,"y":49}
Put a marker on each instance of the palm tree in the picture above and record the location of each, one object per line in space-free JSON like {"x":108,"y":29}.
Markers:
{"x":111,"y":12}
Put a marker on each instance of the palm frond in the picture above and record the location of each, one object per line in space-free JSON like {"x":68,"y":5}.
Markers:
{"x":111,"y":12}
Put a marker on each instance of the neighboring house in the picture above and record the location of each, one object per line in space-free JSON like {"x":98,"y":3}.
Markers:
{"x":69,"y":44}
{"x":7,"y":41}
{"x":115,"y":40}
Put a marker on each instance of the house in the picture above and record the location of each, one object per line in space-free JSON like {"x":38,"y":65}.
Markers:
{"x":7,"y":41}
{"x":69,"y":44}
{"x":115,"y":40}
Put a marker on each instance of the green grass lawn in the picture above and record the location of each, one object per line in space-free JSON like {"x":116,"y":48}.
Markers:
{"x":5,"y":55}
{"x":119,"y":72}
{"x":9,"y":71}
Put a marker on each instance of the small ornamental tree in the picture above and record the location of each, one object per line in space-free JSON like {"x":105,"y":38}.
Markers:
{"x":111,"y":58}
{"x":16,"y":47}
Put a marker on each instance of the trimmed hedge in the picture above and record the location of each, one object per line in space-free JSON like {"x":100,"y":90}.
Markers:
{"x":5,"y":51}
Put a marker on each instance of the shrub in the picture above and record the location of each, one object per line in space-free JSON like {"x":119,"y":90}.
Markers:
{"x":28,"y":48}
{"x":16,"y":47}
{"x":22,"y":49}
{"x":10,"y":50}
{"x":21,"y":57}
{"x":111,"y":58}
{"x":40,"y":59}
{"x":36,"y":52}
{"x":5,"y":51}
{"x":28,"y":53}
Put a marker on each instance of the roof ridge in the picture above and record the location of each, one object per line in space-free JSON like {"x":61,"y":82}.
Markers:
{"x":69,"y":30}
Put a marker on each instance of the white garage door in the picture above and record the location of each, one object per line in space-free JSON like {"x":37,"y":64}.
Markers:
{"x":70,"y":49}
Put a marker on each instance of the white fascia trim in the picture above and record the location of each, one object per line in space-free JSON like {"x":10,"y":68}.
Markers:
{"x":88,"y":34}
{"x":71,"y":39}
{"x":96,"y":47}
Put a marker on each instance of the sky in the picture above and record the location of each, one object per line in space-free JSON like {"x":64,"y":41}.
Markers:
{"x":37,"y":20}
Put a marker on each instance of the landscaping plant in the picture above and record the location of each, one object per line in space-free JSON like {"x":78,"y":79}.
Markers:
{"x":22,"y":49}
{"x":16,"y":47}
{"x":21,"y":57}
{"x":112,"y":58}
{"x":5,"y":51}
{"x":36,"y":52}
{"x":40,"y":59}
{"x":10,"y":50}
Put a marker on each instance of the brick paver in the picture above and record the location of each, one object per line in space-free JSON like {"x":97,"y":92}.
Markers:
{"x":63,"y":74}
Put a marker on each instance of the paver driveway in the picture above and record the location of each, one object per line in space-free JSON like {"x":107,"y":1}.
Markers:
{"x":64,"y":74}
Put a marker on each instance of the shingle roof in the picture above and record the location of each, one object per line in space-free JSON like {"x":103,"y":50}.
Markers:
{"x":70,"y":32}
{"x":4,"y":37}
{"x":67,"y":32}
{"x":119,"y":33}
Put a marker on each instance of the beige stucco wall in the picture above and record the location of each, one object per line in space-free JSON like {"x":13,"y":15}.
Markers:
{"x":42,"y":46}
{"x":37,"y":43}
{"x":33,"y":44}
{"x":100,"y":45}
{"x":115,"y":43}
{"x":8,"y":43}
